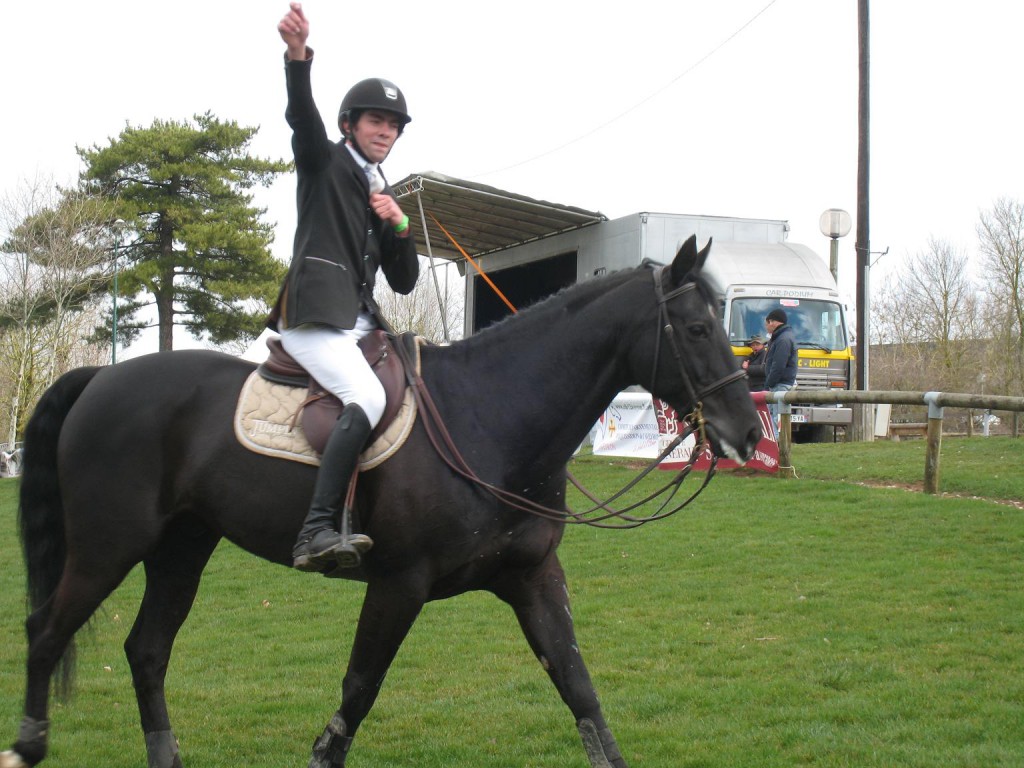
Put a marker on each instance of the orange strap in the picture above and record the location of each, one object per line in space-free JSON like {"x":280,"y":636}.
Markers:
{"x":475,"y":265}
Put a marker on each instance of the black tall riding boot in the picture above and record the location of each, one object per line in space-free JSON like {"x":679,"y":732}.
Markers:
{"x":319,"y":542}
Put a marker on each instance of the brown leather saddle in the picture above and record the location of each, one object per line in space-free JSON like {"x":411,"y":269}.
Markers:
{"x":321,"y":409}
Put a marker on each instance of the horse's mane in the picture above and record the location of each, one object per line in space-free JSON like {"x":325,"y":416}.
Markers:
{"x":572,"y":297}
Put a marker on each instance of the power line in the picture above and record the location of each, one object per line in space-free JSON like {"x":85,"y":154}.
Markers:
{"x":638,"y":104}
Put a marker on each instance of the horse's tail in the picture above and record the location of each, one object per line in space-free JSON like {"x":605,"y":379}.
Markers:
{"x":40,"y":509}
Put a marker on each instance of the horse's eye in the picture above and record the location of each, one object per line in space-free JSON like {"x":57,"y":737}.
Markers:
{"x":698,"y":330}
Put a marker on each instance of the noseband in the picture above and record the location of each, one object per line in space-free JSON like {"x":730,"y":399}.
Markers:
{"x":696,"y":417}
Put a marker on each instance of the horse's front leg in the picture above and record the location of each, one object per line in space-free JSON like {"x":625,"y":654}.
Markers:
{"x":389,"y":610}
{"x":541,"y":602}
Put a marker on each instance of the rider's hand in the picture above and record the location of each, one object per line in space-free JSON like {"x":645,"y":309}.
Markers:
{"x":387,"y":208}
{"x":294,"y":29}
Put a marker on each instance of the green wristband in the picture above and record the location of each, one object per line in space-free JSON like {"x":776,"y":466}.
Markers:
{"x":403,"y":226}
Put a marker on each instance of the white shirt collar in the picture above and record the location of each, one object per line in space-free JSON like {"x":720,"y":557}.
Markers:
{"x":360,"y":160}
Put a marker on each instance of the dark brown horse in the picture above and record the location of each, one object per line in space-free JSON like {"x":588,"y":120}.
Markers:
{"x":138,"y":462}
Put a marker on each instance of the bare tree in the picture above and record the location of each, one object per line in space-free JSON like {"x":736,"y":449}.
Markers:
{"x":422,"y":311}
{"x":927,"y":318}
{"x":53,"y":259}
{"x":1001,"y":238}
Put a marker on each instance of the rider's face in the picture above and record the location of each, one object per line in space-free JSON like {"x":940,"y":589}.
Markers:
{"x":375,"y":133}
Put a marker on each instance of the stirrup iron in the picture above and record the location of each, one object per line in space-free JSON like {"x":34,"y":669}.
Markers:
{"x":349,"y":553}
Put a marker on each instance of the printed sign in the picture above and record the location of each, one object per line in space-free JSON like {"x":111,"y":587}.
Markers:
{"x":628,"y":427}
{"x":637,"y":425}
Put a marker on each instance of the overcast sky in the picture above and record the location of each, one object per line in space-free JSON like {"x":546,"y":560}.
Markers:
{"x":739,"y":108}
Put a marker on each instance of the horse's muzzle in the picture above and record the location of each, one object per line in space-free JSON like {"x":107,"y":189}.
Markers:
{"x":738,"y":453}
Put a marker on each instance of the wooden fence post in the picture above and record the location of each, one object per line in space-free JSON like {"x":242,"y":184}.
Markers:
{"x":785,"y":436}
{"x":786,"y":444}
{"x":934,"y":449}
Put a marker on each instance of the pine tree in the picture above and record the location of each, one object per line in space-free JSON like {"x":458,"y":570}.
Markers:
{"x":193,"y":245}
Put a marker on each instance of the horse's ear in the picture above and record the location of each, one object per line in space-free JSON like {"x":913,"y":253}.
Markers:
{"x":689,"y":259}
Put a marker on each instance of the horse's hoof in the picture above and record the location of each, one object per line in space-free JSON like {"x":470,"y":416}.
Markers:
{"x":10,"y":759}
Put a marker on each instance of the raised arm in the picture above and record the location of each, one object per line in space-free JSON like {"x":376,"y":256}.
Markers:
{"x":294,"y":29}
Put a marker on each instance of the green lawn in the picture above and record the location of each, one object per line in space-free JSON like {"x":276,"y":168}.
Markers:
{"x":774,"y":622}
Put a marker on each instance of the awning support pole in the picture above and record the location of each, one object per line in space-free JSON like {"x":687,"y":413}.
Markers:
{"x":430,"y":258}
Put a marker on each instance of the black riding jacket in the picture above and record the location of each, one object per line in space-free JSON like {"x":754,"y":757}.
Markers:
{"x":339,"y":241}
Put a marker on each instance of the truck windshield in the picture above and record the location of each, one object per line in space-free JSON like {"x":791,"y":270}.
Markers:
{"x":817,"y":324}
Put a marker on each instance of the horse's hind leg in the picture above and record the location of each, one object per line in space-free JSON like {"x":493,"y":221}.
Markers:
{"x":541,"y":602}
{"x":51,"y":629}
{"x":173,"y":572}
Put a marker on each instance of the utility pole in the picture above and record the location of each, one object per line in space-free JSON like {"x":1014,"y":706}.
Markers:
{"x":863,"y":246}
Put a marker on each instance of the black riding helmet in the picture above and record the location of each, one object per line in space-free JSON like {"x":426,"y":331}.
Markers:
{"x":373,"y":93}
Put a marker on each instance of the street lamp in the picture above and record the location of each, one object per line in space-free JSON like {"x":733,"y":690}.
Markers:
{"x":835,"y":223}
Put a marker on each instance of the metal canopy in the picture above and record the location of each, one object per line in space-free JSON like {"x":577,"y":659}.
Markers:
{"x":482,"y":219}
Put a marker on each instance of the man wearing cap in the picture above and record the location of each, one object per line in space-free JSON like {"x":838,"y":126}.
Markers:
{"x":780,"y":360}
{"x":754,"y":363}
{"x":349,"y":225}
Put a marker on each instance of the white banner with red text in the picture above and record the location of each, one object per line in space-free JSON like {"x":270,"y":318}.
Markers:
{"x":639,"y":426}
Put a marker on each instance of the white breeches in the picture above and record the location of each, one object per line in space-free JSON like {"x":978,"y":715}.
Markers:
{"x":333,"y":358}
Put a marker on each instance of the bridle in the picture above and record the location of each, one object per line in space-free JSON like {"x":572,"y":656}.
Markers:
{"x":696,"y":417}
{"x":601,"y":513}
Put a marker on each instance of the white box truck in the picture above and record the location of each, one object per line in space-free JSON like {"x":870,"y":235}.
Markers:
{"x":751,"y":266}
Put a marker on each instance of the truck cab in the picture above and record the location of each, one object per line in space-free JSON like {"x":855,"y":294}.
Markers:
{"x":753,"y":279}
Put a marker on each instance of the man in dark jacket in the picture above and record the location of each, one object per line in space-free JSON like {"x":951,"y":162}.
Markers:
{"x":349,"y":225}
{"x":780,"y":360}
{"x":754,"y":363}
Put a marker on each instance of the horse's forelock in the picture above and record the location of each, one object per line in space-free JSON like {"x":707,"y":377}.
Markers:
{"x":703,"y":288}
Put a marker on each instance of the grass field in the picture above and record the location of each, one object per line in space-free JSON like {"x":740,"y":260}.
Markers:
{"x":829,"y":620}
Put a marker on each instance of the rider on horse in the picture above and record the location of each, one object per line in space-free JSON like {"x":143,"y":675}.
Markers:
{"x":349,"y":225}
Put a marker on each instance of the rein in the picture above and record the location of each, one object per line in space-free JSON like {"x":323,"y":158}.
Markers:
{"x":599,"y":515}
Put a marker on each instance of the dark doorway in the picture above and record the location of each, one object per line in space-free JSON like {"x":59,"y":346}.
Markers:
{"x":523,"y":285}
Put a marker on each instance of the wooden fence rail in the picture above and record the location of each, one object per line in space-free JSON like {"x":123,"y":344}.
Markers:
{"x":936,"y":402}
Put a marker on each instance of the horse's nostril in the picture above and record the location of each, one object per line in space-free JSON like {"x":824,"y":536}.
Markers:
{"x":753,"y":438}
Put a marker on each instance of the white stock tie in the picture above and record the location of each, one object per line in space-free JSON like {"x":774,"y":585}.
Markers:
{"x":372,"y":176}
